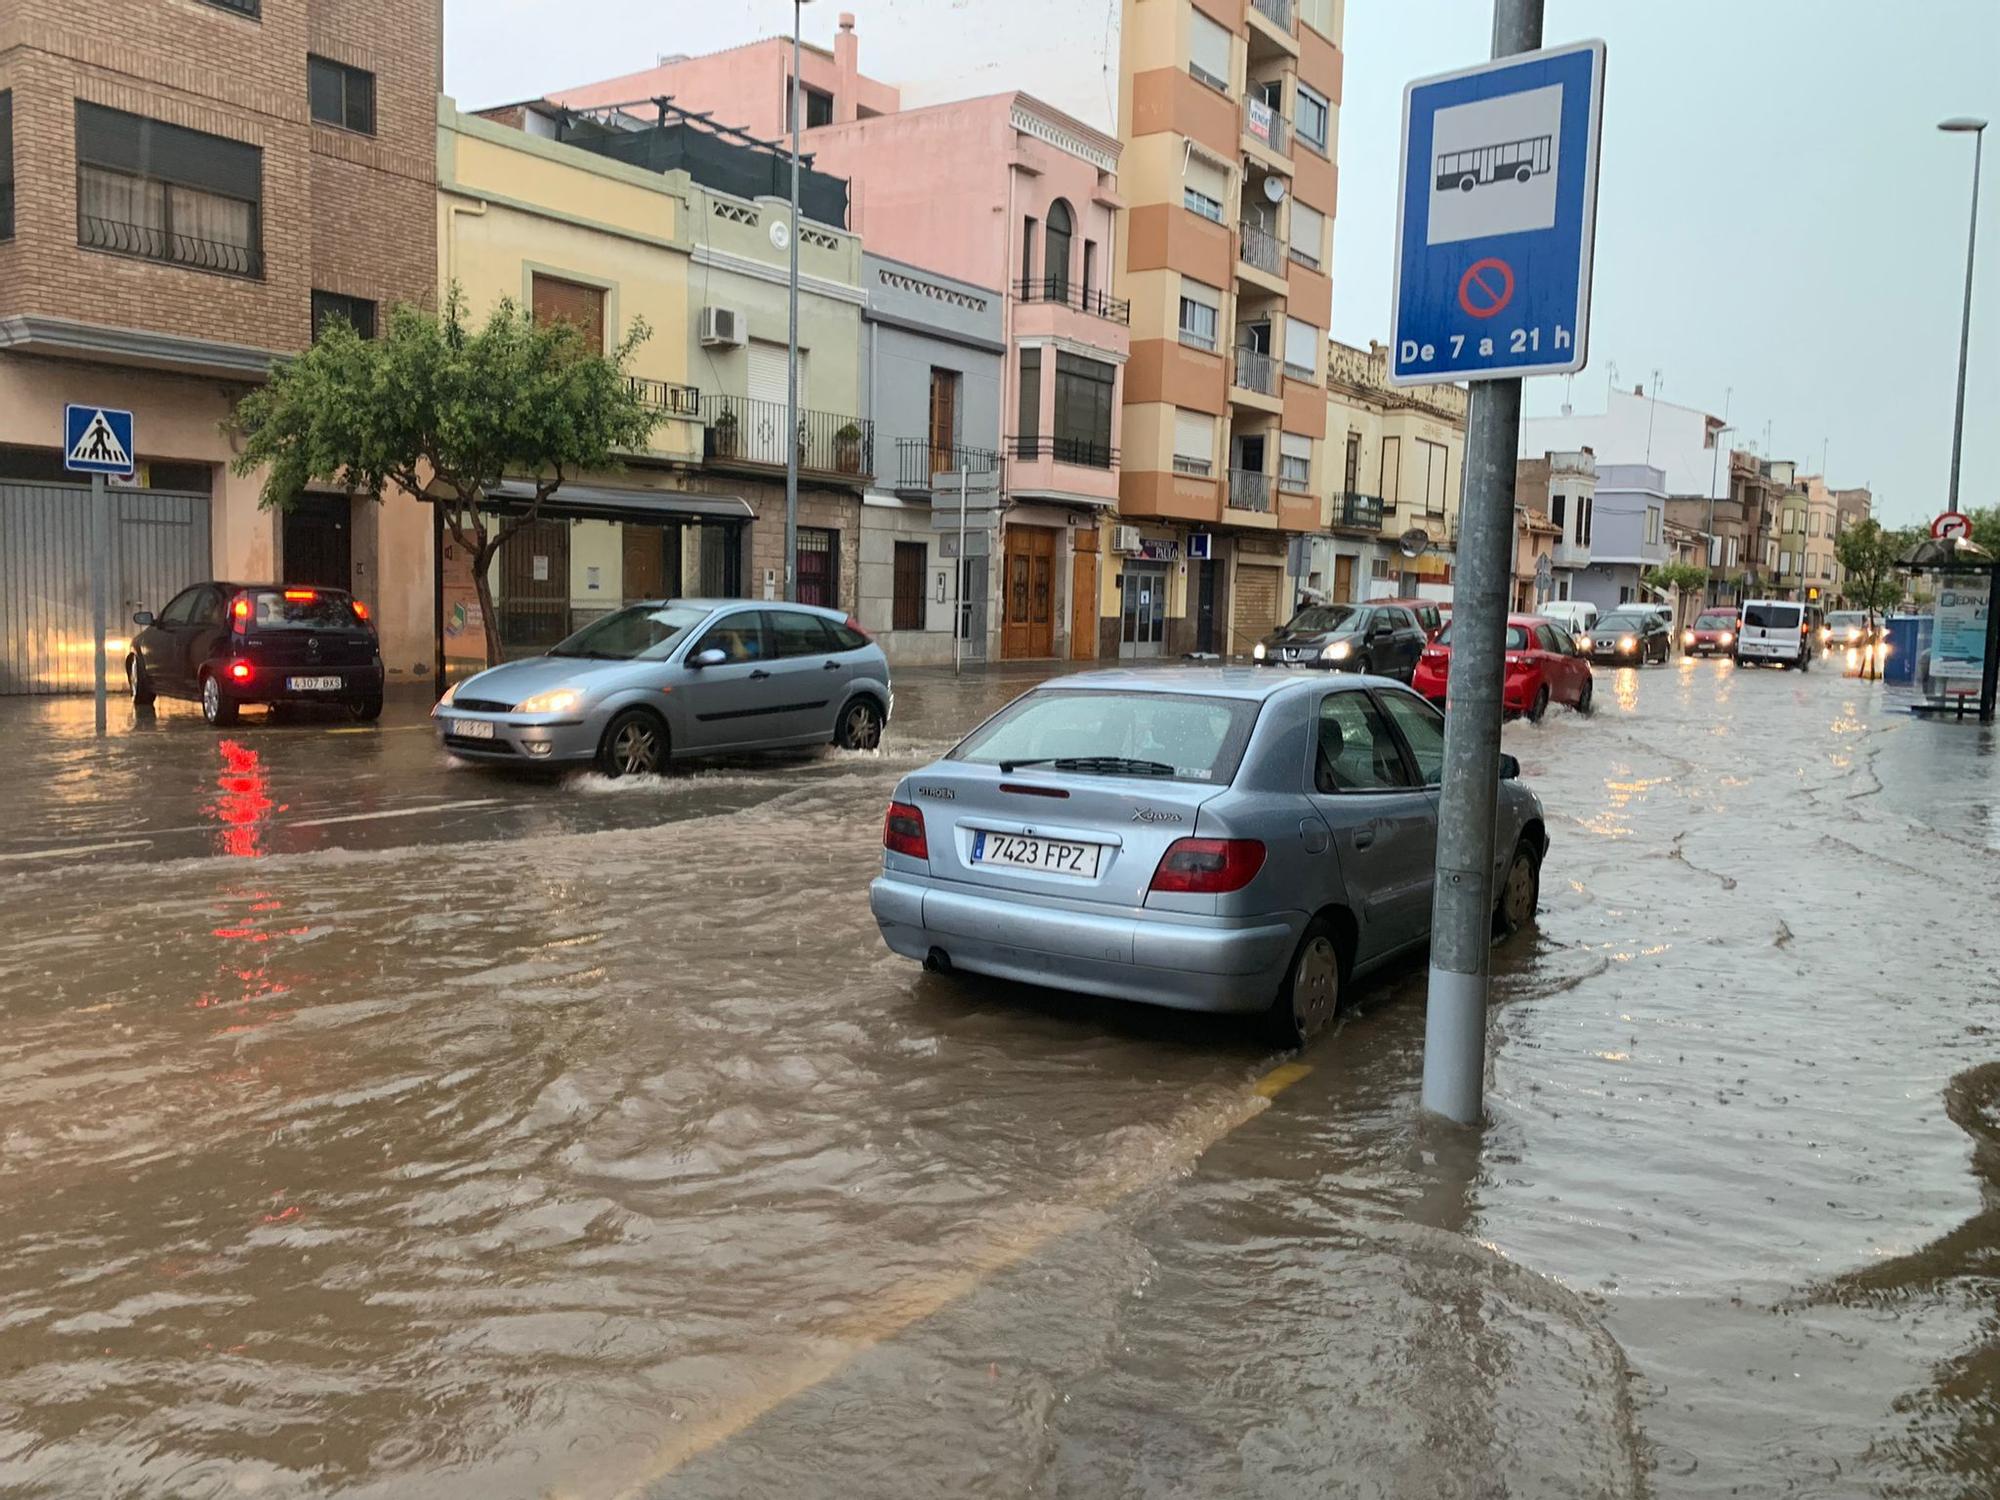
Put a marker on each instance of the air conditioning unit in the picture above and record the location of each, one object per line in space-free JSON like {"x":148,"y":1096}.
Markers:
{"x":1126,"y":539}
{"x":721,"y":325}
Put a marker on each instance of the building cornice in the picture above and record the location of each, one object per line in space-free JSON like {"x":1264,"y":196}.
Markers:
{"x":757,"y":270}
{"x":30,"y":334}
{"x":1030,"y":116}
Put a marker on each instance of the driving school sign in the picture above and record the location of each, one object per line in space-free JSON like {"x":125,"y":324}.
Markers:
{"x":1495,"y":218}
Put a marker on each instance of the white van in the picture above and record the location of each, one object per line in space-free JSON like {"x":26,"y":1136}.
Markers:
{"x":1774,"y":630}
{"x":1576,"y":615}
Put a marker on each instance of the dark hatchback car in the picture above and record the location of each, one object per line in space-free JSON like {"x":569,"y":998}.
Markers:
{"x":1631,"y":638}
{"x":228,"y":644}
{"x":1383,"y":639}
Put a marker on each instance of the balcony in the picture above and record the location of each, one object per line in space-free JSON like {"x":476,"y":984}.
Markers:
{"x":1263,"y":124}
{"x":1260,"y":249}
{"x":1255,"y":371}
{"x":920,"y":464}
{"x":1277,"y":12}
{"x":743,"y":433}
{"x":1356,"y":512}
{"x":1065,"y":293}
{"x":665,"y":395}
{"x":1063,"y":450}
{"x":150,"y":242}
{"x":1250,"y":489}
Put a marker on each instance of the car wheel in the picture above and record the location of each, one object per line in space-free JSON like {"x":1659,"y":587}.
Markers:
{"x":1584,"y":699}
{"x":1540,"y":706}
{"x":215,"y":708}
{"x":634,"y":744}
{"x":1310,"y":995}
{"x":860,"y":726}
{"x":365,"y":710}
{"x":140,"y":684}
{"x":1520,"y":891}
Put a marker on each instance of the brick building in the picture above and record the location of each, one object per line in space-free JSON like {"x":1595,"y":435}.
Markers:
{"x":193,"y":183}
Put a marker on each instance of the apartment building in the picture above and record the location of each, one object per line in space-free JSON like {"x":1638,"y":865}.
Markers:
{"x":1627,"y":534}
{"x":1563,"y":487}
{"x":186,"y":190}
{"x":999,"y":192}
{"x":1808,"y":518}
{"x":1228,"y":110}
{"x":1395,"y":466}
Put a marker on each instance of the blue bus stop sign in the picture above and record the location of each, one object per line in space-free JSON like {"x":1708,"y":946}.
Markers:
{"x":1494,"y":218}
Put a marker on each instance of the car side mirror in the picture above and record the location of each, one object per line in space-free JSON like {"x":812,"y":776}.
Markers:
{"x":714,"y":656}
{"x":143,"y":617}
{"x":1510,"y":768}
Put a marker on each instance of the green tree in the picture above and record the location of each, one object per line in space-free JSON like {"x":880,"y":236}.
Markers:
{"x":1689,"y":578}
{"x":1868,"y":554}
{"x":444,"y":411}
{"x":1986,"y":527}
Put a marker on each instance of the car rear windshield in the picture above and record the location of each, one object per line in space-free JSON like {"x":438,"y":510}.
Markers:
{"x":639,"y":632}
{"x":1771,"y":616}
{"x":301,"y":609}
{"x":1841,"y":619}
{"x":1200,"y":738}
{"x":1714,"y":622}
{"x":1322,"y":617}
{"x":1517,"y":637}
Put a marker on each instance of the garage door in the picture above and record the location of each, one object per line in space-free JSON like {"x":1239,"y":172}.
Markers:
{"x":159,"y":545}
{"x":1253,"y":609}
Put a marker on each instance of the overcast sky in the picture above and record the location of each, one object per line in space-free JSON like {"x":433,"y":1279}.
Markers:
{"x":1781,"y":228}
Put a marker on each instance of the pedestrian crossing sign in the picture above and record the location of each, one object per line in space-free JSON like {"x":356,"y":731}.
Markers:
{"x":97,"y":440}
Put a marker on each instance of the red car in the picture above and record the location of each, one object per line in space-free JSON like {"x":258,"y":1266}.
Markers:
{"x":1544,"y":666}
{"x":1714,"y":630}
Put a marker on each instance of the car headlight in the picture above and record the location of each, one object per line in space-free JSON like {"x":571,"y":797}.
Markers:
{"x":555,"y":701}
{"x":1687,"y":637}
{"x":1726,"y":637}
{"x":1583,"y":643}
{"x":1257,"y":651}
{"x":1628,"y":643}
{"x":449,"y":694}
{"x":1338,"y":651}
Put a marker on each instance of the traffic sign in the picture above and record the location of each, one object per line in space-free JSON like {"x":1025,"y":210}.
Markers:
{"x":1952,"y":523}
{"x":97,"y":440}
{"x":1495,"y":218}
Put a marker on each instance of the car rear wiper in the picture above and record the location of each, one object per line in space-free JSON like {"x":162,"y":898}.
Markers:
{"x":1102,"y":765}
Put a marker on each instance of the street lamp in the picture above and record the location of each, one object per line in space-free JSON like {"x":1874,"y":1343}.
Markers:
{"x":792,"y":335}
{"x":1960,"y":125}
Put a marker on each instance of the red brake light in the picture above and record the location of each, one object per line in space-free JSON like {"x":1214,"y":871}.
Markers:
{"x":903,"y":831}
{"x":306,"y":594}
{"x":239,"y":615}
{"x":360,"y":610}
{"x":240,"y":671}
{"x":1209,"y":867}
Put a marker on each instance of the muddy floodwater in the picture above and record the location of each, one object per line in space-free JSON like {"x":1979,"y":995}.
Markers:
{"x":373,"y":1126}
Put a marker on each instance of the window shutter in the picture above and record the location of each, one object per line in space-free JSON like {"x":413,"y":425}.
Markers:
{"x":1209,"y":47}
{"x":1207,"y":178}
{"x":1194,"y":434}
{"x":1308,"y":231}
{"x":1301,"y":345}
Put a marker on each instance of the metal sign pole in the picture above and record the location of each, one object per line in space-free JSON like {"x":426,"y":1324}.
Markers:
{"x":100,"y":547}
{"x":959,"y":624}
{"x":1462,"y":906}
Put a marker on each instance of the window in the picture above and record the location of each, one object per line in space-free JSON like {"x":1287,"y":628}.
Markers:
{"x":1626,"y":594}
{"x":1209,"y":50}
{"x":1379,"y":568}
{"x":1559,"y":511}
{"x":6,"y":165}
{"x":1030,"y":425}
{"x":1294,"y":461}
{"x":740,"y":637}
{"x":180,"y":609}
{"x":1436,"y":461}
{"x":166,"y":193}
{"x":639,"y":632}
{"x":1089,"y":272}
{"x":1785,"y":561}
{"x":1423,"y":731}
{"x":1790,"y":523}
{"x":1715,"y":552}
{"x":795,"y":633}
{"x":1312,"y":115}
{"x":1194,"y":442}
{"x":556,"y":300}
{"x":251,"y":8}
{"x":207,"y":606}
{"x":818,"y":565}
{"x":1392,"y":469}
{"x":912,"y":562}
{"x":1351,"y":473}
{"x":1308,"y":235}
{"x":1732,"y":552}
{"x":1357,"y":751}
{"x":1812,"y":525}
{"x":1302,"y":342}
{"x":1652,"y":524}
{"x":1056,"y":251}
{"x":944,"y":418}
{"x":357,"y":312}
{"x":1204,"y":186}
{"x":819,"y":106}
{"x":341,"y":95}
{"x":1027,"y":252}
{"x":1565,"y":643}
{"x":1318,"y":14}
{"x":1585,"y":506}
{"x":1201,"y":308}
{"x":1083,"y":410}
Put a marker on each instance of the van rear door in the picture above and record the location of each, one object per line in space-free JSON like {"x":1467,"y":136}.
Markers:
{"x":1770,"y":630}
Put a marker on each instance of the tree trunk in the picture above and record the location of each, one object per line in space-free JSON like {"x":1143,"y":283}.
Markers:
{"x":482,"y":580}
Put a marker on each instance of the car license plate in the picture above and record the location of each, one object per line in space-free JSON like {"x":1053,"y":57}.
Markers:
{"x":1023,"y":852}
{"x":313,"y":684}
{"x":472,"y":729}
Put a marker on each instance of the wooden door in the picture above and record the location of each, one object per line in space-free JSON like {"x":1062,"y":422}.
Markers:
{"x":1343,"y":580}
{"x":646,"y":564}
{"x":1029,"y":592}
{"x":1083,"y":604}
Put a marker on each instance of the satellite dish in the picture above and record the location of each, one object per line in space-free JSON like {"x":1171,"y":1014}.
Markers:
{"x":1274,"y":189}
{"x":1414,"y":543}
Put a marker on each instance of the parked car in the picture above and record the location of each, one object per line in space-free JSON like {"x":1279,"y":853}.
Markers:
{"x":1631,"y":638}
{"x":1574,"y":615}
{"x":1544,"y":665}
{"x":1774,"y":630}
{"x":654,"y":683}
{"x":230,"y":644}
{"x":1714,"y":630}
{"x":1432,"y":614}
{"x":1234,"y":841}
{"x":1384,"y":639}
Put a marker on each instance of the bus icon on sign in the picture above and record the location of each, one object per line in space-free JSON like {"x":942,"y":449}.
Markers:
{"x":1515,"y":161}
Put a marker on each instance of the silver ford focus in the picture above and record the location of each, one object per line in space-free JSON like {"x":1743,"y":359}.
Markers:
{"x":653,"y":683}
{"x":1217,"y":841}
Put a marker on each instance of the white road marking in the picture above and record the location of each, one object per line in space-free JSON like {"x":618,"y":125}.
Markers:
{"x":397,"y":812}
{"x":68,"y":850}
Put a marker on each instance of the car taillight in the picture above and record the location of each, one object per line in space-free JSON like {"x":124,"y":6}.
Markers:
{"x":903,"y":831}
{"x":304,"y":595}
{"x":239,"y":671}
{"x":1208,"y":867}
{"x":239,"y":615}
{"x":360,"y":610}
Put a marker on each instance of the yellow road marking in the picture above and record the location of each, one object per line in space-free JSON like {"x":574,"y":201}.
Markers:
{"x":1008,"y":1240}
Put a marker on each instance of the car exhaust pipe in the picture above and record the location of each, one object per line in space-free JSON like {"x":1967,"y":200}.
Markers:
{"x":937,"y":961}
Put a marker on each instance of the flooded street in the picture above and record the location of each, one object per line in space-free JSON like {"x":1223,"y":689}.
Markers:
{"x":374,"y":1126}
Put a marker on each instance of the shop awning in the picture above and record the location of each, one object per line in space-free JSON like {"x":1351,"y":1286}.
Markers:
{"x":604,"y":503}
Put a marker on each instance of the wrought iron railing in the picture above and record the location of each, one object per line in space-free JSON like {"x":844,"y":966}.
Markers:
{"x":744,"y":431}
{"x":920,"y":463}
{"x":1357,"y":511}
{"x":1071,"y":294}
{"x":1262,"y":249}
{"x":1249,"y":489}
{"x":1271,"y":128}
{"x":1256,"y":371}
{"x":1064,"y":450}
{"x":160,"y":244}
{"x":1277,"y":12}
{"x":674,"y":399}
